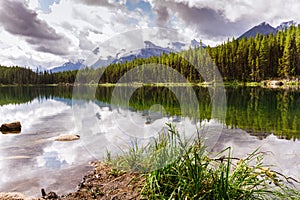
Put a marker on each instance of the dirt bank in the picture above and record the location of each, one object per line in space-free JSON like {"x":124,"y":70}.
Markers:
{"x":101,"y":183}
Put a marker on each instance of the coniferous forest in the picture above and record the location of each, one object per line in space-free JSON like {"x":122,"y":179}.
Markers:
{"x":245,"y":60}
{"x":260,"y":58}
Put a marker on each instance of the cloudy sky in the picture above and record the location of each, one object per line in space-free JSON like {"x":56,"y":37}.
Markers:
{"x":48,"y":33}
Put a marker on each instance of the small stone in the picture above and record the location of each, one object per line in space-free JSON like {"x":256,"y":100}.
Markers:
{"x":64,"y":138}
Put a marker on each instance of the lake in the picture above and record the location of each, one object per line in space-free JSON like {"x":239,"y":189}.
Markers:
{"x":111,"y":118}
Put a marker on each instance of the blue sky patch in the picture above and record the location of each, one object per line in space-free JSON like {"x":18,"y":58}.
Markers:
{"x":145,"y":6}
{"x":45,"y":4}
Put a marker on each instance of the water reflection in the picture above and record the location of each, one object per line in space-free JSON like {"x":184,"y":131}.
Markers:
{"x":32,"y":159}
{"x":259,"y":111}
{"x":282,"y":155}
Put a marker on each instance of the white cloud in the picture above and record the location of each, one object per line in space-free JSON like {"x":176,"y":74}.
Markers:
{"x":87,"y":26}
{"x":86,"y":23}
{"x":220,"y":19}
{"x":33,"y":4}
{"x":15,"y":51}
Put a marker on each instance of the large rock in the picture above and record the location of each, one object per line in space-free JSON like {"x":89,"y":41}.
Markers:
{"x":14,"y":127}
{"x":67,"y":138}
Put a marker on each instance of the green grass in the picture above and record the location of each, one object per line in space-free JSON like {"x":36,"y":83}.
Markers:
{"x":178,"y":168}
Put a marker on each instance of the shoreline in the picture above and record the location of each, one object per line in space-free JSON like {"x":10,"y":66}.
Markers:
{"x":270,"y":83}
{"x":102,"y":182}
{"x":105,"y":181}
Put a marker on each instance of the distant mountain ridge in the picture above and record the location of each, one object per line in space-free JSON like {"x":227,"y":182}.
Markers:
{"x":69,"y":66}
{"x":150,"y":49}
{"x":286,"y":25}
{"x":266,"y":29}
{"x":263,"y":28}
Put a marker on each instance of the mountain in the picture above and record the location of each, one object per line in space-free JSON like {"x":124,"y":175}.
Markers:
{"x":263,"y":28}
{"x":103,"y":62}
{"x":179,"y":46}
{"x":150,"y":49}
{"x":176,"y":46}
{"x":286,"y":25}
{"x":266,"y":29}
{"x":69,"y":66}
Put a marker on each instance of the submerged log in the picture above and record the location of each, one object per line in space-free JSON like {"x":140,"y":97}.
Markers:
{"x":14,"y":127}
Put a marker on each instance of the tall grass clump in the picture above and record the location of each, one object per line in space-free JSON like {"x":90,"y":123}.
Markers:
{"x":176,"y":168}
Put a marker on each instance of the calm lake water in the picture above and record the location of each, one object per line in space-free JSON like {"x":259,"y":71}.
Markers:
{"x":105,"y":118}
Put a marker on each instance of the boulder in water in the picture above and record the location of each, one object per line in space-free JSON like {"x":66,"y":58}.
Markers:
{"x":14,"y":127}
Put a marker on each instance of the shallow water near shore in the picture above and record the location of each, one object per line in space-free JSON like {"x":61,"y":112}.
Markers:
{"x":32,"y":159}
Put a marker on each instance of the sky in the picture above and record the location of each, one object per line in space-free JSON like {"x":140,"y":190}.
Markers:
{"x":48,"y":33}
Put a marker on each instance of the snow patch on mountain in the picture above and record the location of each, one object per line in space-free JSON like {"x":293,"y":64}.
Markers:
{"x":69,"y":66}
{"x":286,"y":25}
